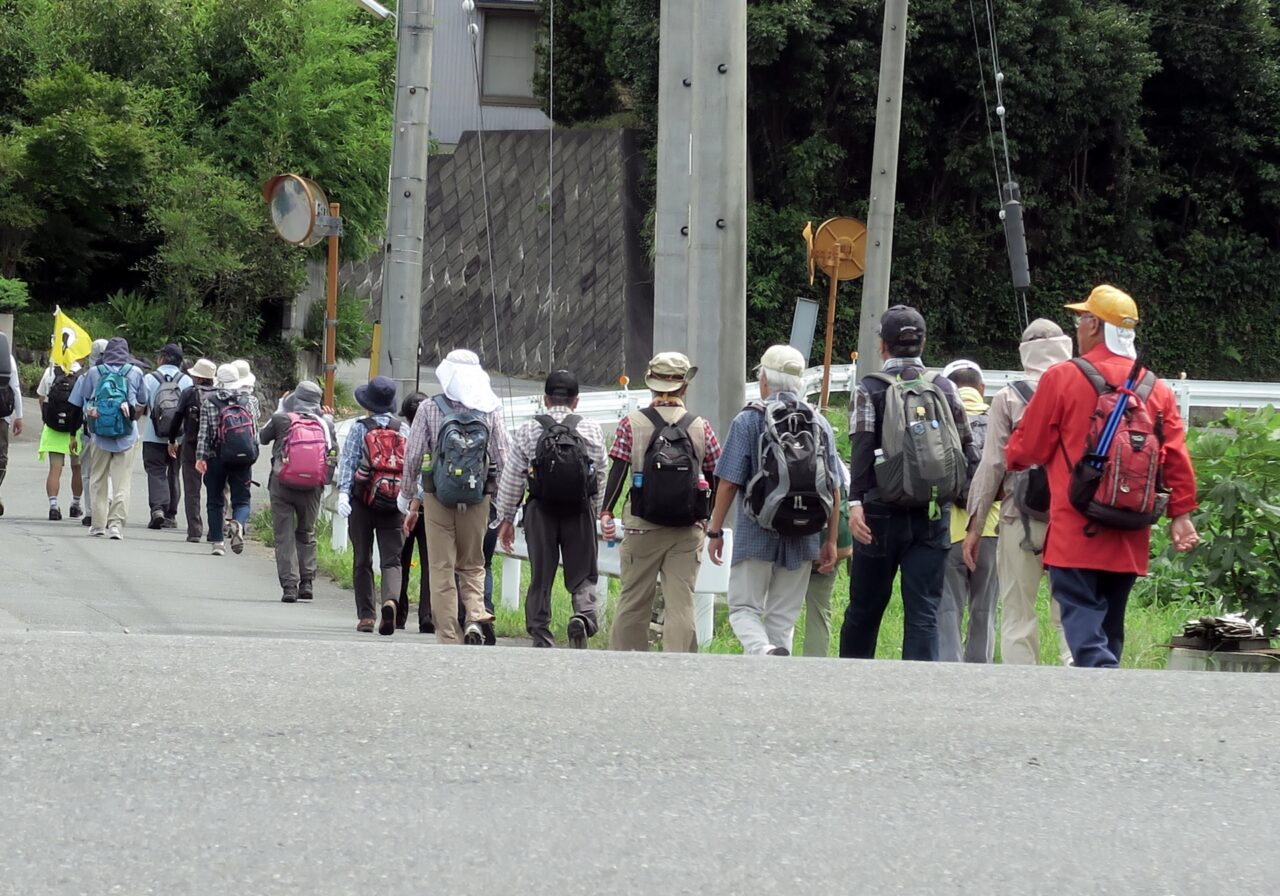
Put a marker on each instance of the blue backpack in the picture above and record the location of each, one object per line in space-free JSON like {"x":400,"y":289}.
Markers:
{"x":462,"y":457}
{"x":111,"y":392}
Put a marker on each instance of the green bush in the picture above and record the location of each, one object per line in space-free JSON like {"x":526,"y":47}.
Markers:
{"x":1237,"y":568}
{"x":354,"y":332}
{"x":13,"y":295}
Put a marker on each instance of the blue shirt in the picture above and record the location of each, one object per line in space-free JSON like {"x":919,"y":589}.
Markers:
{"x":153,"y":380}
{"x":738,"y":464}
{"x":353,"y":451}
{"x":82,"y":394}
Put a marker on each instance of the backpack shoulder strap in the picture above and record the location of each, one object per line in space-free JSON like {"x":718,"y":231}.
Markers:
{"x":546,"y":421}
{"x":370,"y":425}
{"x":1145,"y":386}
{"x":572,"y":422}
{"x":880,"y":376}
{"x":1093,"y":375}
{"x":1024,"y":389}
{"x":443,"y":404}
{"x":685,"y":422}
{"x":651,"y":414}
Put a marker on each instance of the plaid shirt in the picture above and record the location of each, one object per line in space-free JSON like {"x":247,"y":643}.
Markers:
{"x":422,"y":438}
{"x":207,"y":440}
{"x":353,"y":453}
{"x":624,"y":437}
{"x":524,"y":445}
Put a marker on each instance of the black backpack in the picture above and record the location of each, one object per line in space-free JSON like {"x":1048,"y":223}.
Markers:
{"x":792,"y":491}
{"x":6,"y":378}
{"x":1030,"y":487}
{"x":164,"y":406}
{"x":671,"y":491}
{"x":59,"y":413}
{"x":562,"y":478}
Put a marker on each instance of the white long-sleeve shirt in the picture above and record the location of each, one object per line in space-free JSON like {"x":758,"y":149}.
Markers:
{"x":16,"y":386}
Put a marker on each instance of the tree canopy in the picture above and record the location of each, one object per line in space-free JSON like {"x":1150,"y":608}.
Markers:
{"x":135,"y":135}
{"x":1143,"y":134}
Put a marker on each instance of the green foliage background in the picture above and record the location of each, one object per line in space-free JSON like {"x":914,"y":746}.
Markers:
{"x":135,"y":135}
{"x":1143,"y":134}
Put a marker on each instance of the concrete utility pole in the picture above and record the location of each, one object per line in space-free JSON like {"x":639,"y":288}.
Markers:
{"x":406,"y":210}
{"x":884,"y":185}
{"x":700,"y":306}
{"x":675,"y":161}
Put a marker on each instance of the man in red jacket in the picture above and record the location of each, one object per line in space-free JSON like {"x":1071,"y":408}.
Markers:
{"x":1091,"y":574}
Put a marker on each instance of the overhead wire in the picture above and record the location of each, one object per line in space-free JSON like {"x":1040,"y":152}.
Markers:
{"x":473,"y":31}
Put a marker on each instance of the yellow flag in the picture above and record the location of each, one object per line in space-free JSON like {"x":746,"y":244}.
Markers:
{"x":70,"y":341}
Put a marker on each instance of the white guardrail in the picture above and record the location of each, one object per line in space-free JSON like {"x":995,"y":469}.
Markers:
{"x":608,"y":407}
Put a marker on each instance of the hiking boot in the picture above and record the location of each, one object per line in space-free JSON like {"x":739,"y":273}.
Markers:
{"x":87,"y":521}
{"x":402,"y":612}
{"x":114,"y":533}
{"x":305,"y":591}
{"x":54,"y":514}
{"x":426,"y":628}
{"x":490,"y":634}
{"x":75,"y":512}
{"x":364,"y":625}
{"x":578,"y":633}
{"x":237,"y":537}
{"x":1,"y":508}
{"x":170,"y":523}
{"x":97,"y":531}
{"x":289,"y":597}
{"x":388,"y":624}
{"x":778,"y":651}
{"x":194,"y":539}
{"x":157,"y":519}
{"x":474,"y":636}
{"x":219,"y":549}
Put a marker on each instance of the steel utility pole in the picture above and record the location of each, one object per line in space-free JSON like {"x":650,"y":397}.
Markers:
{"x":884,"y":185}
{"x":700,"y":296}
{"x":407,"y":200}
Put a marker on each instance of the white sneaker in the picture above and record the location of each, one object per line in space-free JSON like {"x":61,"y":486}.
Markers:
{"x":97,"y":531}
{"x":219,"y":549}
{"x":114,"y":533}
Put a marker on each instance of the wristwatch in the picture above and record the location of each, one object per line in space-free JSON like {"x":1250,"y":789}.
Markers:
{"x":855,"y":503}
{"x":714,"y":535}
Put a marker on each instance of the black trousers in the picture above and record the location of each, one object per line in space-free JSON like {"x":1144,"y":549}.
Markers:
{"x":164,"y":483}
{"x":363,"y":526}
{"x":554,"y":540}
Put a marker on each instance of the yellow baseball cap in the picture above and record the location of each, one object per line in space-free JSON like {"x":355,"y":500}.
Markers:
{"x":1110,"y":305}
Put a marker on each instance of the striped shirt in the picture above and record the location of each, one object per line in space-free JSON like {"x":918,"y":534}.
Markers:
{"x":422,"y":438}
{"x":524,"y":445}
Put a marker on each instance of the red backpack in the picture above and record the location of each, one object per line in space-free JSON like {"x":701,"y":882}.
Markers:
{"x":382,"y":465}
{"x":1121,"y":488}
{"x":304,"y":460}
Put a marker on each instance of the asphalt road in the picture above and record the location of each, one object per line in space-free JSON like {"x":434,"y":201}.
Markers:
{"x":183,"y":757}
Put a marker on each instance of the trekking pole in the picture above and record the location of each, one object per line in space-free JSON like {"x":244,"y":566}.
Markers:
{"x":1098,"y":457}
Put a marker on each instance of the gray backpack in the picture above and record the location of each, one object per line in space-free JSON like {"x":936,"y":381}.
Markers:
{"x":923,"y":462}
{"x":792,"y":491}
{"x":461,"y":462}
{"x":7,"y":405}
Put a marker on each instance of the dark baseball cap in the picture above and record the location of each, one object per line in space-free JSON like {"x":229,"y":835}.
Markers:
{"x":562,"y":383}
{"x":902,"y":325}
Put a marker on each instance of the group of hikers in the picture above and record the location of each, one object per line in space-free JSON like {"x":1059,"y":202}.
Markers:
{"x":965,"y":504}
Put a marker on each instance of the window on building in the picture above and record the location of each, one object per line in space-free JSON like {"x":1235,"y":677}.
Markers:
{"x":507,"y":73}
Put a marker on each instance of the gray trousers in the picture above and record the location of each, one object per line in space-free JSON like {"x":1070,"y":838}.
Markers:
{"x":977,"y":591}
{"x":4,"y":449}
{"x":363,"y":526}
{"x":164,"y":485}
{"x":550,"y":538}
{"x":192,"y":483}
{"x":293,"y":521}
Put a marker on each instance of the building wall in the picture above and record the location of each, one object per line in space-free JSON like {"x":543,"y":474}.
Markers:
{"x":454,"y":102}
{"x":593,"y":315}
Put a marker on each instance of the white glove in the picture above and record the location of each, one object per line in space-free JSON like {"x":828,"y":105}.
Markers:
{"x":344,"y":505}
{"x":402,"y":503}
